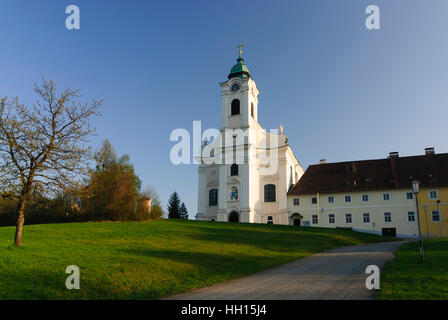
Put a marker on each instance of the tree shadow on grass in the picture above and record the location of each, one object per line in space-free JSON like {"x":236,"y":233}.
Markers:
{"x":203,"y":269}
{"x":292,"y":240}
{"x":46,"y":285}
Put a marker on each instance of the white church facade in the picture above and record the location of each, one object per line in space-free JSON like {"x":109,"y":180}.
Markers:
{"x":245,"y":174}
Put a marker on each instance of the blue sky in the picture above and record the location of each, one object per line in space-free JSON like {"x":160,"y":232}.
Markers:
{"x":342,"y":92}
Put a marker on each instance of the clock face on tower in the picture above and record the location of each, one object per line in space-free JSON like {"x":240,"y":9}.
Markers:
{"x":235,"y":87}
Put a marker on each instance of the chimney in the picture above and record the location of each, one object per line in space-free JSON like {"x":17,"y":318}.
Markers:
{"x":429,"y":151}
{"x":322,"y":161}
{"x":393,"y":154}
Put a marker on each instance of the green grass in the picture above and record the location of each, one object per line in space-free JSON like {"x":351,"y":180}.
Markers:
{"x":406,"y":277}
{"x":153,"y":259}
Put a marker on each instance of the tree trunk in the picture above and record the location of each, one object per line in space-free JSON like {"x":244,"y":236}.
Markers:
{"x":20,"y":221}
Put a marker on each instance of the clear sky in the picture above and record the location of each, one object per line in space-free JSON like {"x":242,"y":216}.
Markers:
{"x":342,"y":92}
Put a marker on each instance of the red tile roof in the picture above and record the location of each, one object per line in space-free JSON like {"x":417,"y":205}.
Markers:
{"x":381,"y":174}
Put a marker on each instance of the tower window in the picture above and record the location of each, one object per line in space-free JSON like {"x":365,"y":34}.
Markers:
{"x":269,"y":193}
{"x":234,"y":170}
{"x":213,"y":197}
{"x":252,"y":109}
{"x":235,"y":107}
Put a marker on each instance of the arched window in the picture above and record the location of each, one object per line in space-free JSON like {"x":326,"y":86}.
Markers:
{"x":235,"y":107}
{"x":269,"y":193}
{"x":213,"y":197}
{"x":234,"y":170}
{"x":252,"y":109}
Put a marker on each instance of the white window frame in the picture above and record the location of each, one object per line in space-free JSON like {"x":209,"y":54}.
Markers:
{"x":437,"y":195}
{"x":409,"y":215}
{"x":315,"y":216}
{"x":332,"y":198}
{"x":406,"y":196}
{"x":294,"y":201}
{"x":362,"y":197}
{"x":349,"y":215}
{"x":312,"y":200}
{"x":345,"y":198}
{"x":364,"y":216}
{"x":390,"y":216}
{"x":331,"y":215}
{"x":388,"y":196}
{"x":432,"y":215}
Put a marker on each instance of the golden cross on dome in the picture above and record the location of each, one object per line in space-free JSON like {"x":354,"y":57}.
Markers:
{"x":241,"y":50}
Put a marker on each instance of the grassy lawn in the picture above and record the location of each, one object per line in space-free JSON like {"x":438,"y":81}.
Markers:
{"x":151,"y":260}
{"x":406,"y":278}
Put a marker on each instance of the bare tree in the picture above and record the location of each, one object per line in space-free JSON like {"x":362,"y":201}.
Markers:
{"x":44,"y":146}
{"x":151,"y":193}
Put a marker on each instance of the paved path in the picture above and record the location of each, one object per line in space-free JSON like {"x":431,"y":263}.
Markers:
{"x":335,"y":274}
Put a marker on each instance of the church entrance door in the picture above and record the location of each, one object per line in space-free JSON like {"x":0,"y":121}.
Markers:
{"x":297,"y":222}
{"x":234,"y":217}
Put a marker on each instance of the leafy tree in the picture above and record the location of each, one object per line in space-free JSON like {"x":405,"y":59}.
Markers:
{"x":43,"y":145}
{"x":156,"y":208}
{"x":174,"y":206}
{"x":113,"y":187}
{"x":183,"y":211}
{"x":156,"y":212}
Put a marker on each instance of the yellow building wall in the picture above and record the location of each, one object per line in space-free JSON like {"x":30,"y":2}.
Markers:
{"x":398,"y":206}
{"x":430,"y":228}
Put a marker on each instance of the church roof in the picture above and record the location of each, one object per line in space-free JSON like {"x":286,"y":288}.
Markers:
{"x":390,"y":173}
{"x":239,"y":70}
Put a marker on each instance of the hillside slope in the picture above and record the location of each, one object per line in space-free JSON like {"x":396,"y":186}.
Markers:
{"x":152,"y":259}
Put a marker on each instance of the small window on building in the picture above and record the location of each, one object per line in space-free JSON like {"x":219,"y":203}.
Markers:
{"x":386,"y":196}
{"x":433,"y":194}
{"x":409,"y":195}
{"x":366,"y":217}
{"x":435,"y":216}
{"x":330,"y":199}
{"x":269,"y":193}
{"x":296,"y":201}
{"x":235,"y":107}
{"x":411,"y":216}
{"x":387,"y":217}
{"x":313,"y":200}
{"x":270,"y":220}
{"x":365,"y":197}
{"x":348,"y":198}
{"x":234,"y":169}
{"x":213,"y":197}
{"x":348,"y":218}
{"x":331,"y":218}
{"x":315,"y":219}
{"x":252,"y":109}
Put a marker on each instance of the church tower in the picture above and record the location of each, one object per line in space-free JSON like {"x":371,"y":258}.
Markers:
{"x":242,"y":187}
{"x":239,"y":97}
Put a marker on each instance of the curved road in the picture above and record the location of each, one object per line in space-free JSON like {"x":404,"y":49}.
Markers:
{"x":336,"y":274}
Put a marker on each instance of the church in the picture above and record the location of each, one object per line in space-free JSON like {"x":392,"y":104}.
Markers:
{"x":245,"y":174}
